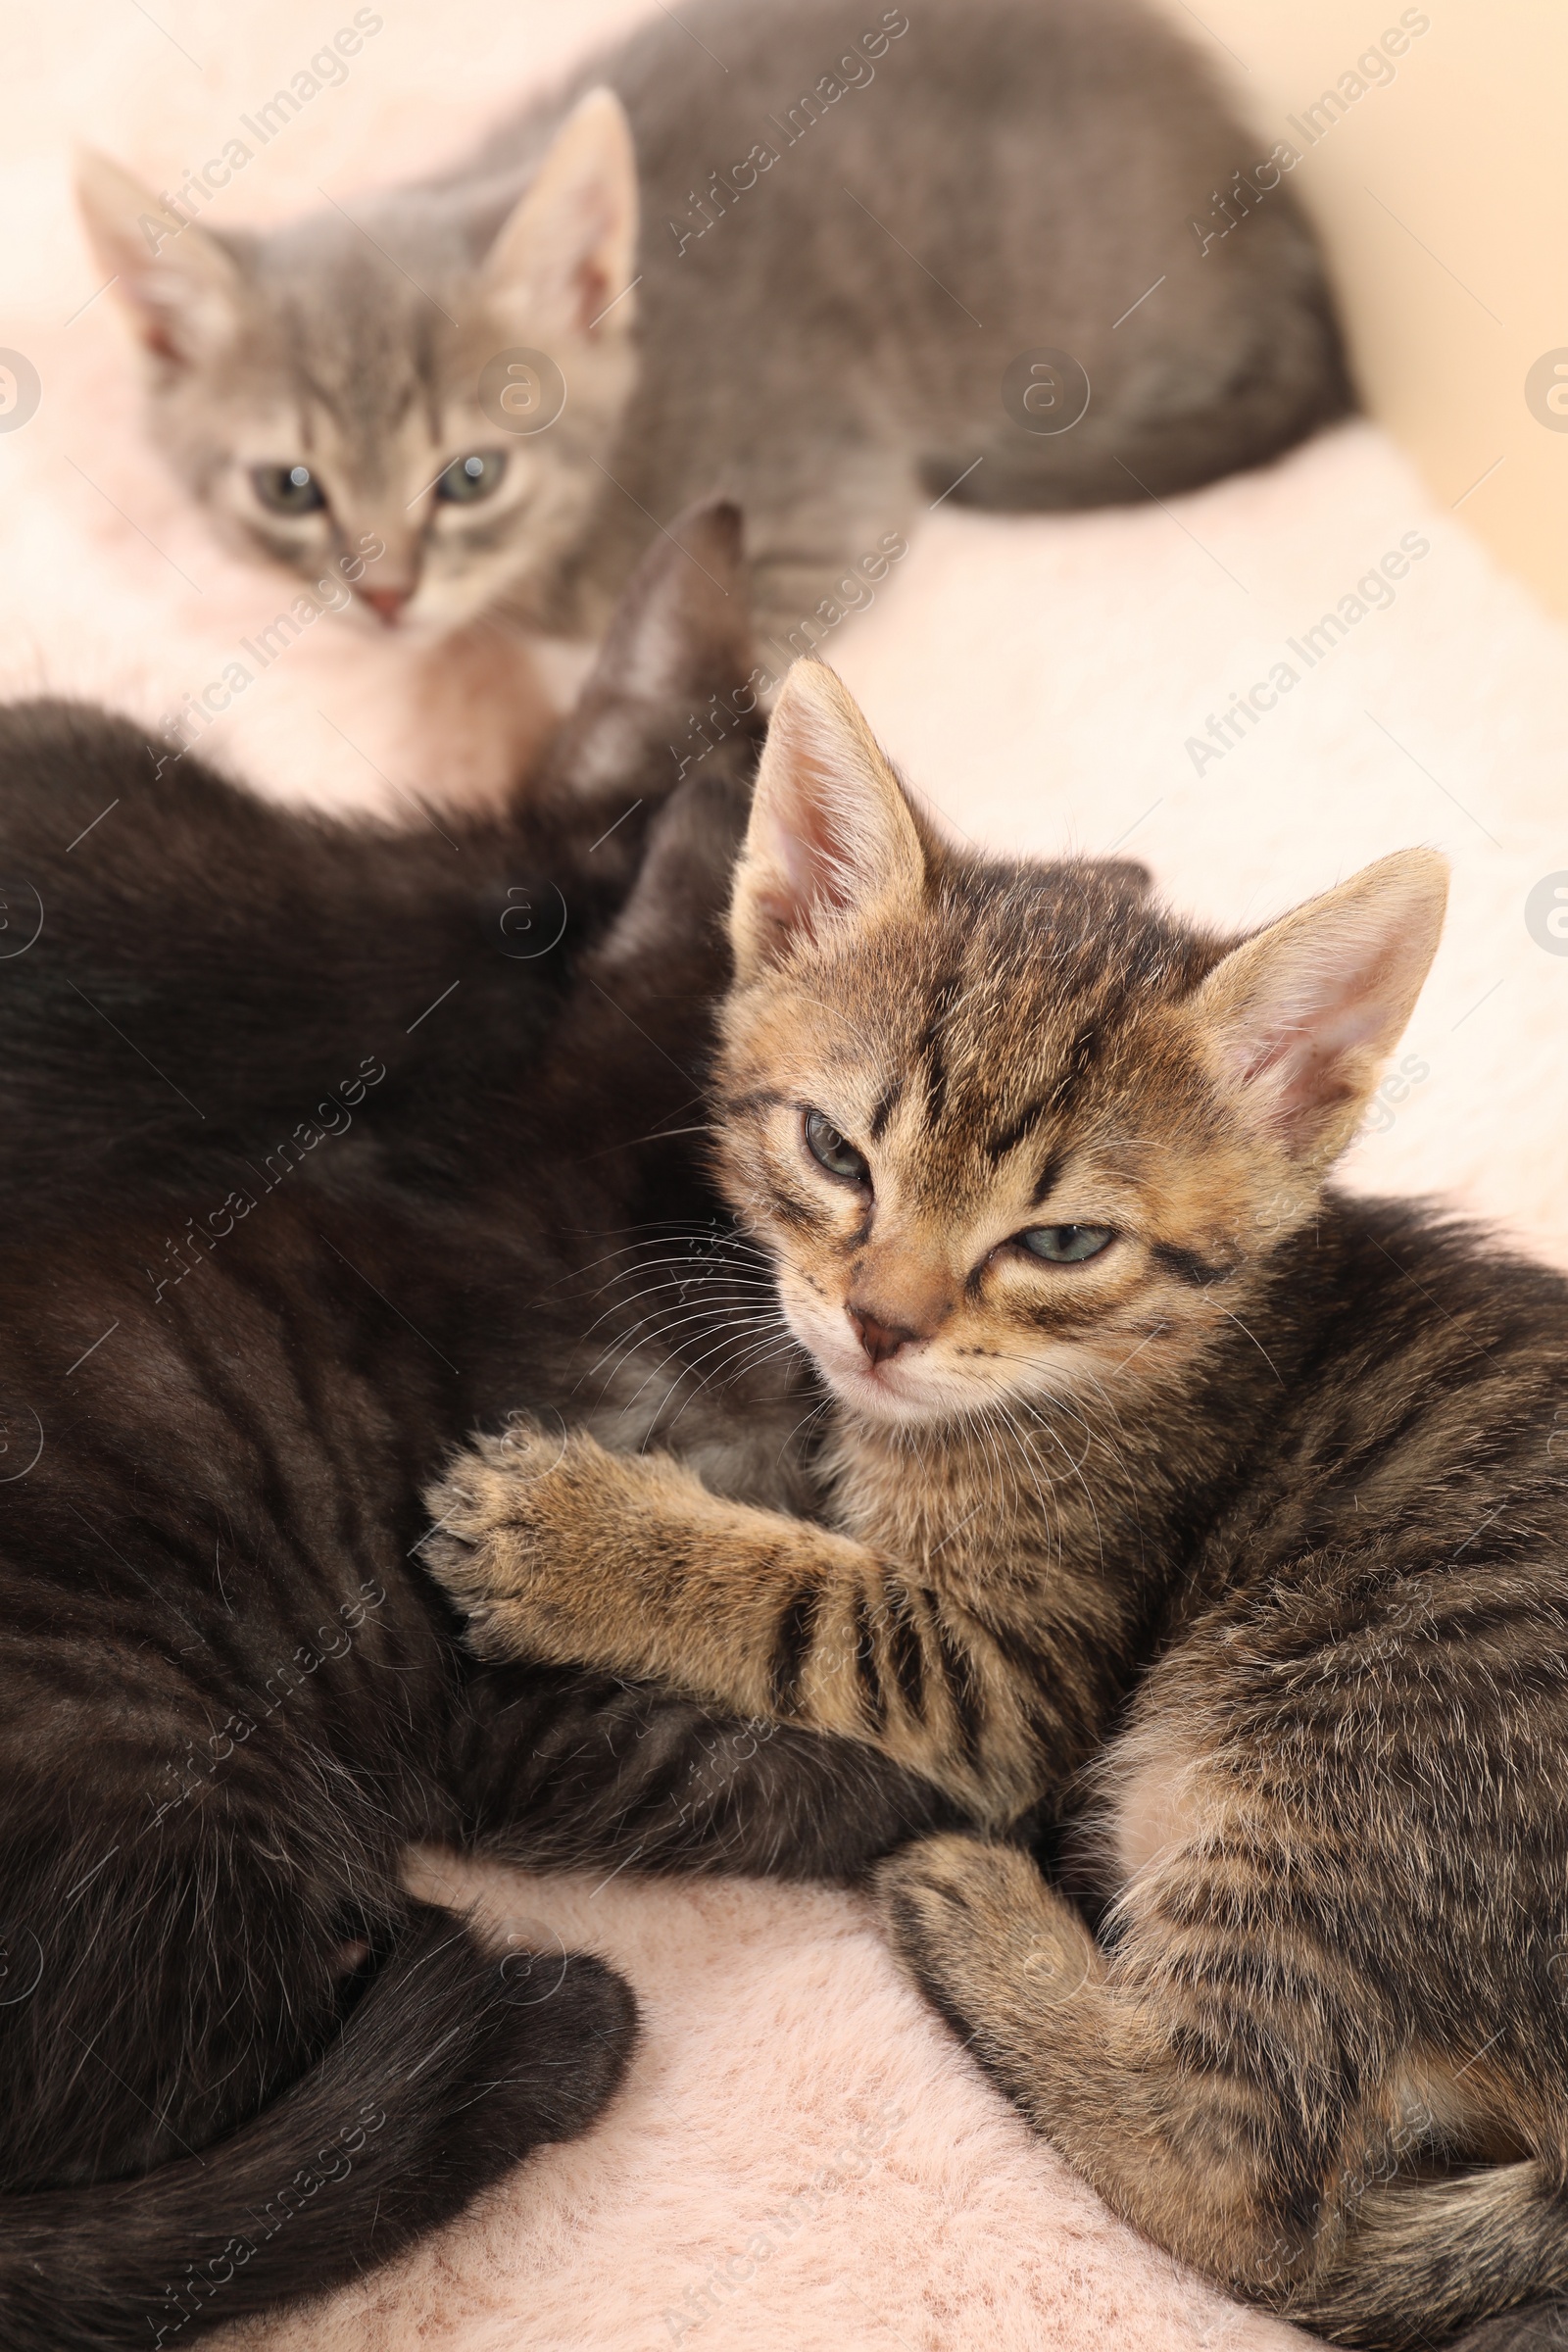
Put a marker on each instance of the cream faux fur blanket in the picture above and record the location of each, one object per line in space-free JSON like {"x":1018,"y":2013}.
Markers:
{"x":804,"y":2158}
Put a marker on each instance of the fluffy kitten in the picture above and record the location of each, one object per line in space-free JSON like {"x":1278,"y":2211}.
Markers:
{"x":1170,"y":1494}
{"x":309,"y":1164}
{"x":787,"y":253}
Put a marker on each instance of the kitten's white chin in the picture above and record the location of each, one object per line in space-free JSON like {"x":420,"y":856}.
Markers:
{"x":414,"y":626}
{"x":879,"y":1394}
{"x":894,"y":1390}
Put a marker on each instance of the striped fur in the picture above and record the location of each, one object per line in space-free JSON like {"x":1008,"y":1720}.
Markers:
{"x":237,"y":2064}
{"x":1237,"y":1553}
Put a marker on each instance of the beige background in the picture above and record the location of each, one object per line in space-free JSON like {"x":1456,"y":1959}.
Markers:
{"x":1444,"y":200}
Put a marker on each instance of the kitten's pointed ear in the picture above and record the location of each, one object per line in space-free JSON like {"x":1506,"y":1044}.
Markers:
{"x":682,"y":627}
{"x":1297,"y":1020}
{"x":178,"y":284}
{"x":831,"y":833}
{"x":567,"y":250}
{"x":680,"y":636}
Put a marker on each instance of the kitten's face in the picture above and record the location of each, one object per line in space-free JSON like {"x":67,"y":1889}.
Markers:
{"x":335,"y":397}
{"x":352,"y":446}
{"x":1009,"y":1132}
{"x":987,"y":1162}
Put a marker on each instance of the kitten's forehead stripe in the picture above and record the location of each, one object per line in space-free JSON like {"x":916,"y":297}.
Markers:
{"x":1050,"y":1177}
{"x":885,"y":1109}
{"x":943,"y":1001}
{"x":387,"y":357}
{"x":1014,"y":1132}
{"x":1035,"y":976}
{"x":314,"y":393}
{"x":368,"y":413}
{"x":430,"y":372}
{"x":1082,"y":1055}
{"x":936,"y":1082}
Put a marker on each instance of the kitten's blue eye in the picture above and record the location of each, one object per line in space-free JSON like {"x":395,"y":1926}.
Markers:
{"x":287,"y":489}
{"x":827,"y":1147}
{"x":468,"y":478}
{"x":1065,"y":1245}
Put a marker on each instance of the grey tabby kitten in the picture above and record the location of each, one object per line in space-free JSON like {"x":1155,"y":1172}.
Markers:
{"x":834,"y":259}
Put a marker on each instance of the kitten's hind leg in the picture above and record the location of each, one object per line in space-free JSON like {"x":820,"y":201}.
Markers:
{"x":1213,"y":2122}
{"x":1233,"y":2083}
{"x":1257,"y":365}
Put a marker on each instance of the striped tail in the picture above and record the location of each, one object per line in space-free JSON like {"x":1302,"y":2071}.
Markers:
{"x":1422,"y":2261}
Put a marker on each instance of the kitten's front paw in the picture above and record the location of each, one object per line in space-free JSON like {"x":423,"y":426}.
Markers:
{"x":515,"y":1528}
{"x":990,"y":1944}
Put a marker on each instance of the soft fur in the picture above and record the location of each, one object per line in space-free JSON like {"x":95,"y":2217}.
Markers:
{"x":1089,"y":646}
{"x":702,"y":234}
{"x":1280,"y":1650}
{"x":316,"y":1145}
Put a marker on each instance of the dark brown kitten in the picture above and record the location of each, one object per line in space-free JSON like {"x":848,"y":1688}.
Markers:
{"x":1171,"y":1497}
{"x":318,"y":1146}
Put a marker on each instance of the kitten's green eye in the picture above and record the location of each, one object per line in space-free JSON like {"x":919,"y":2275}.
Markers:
{"x":468,"y":478}
{"x":840,"y":1159}
{"x":287,"y":489}
{"x":1065,"y":1245}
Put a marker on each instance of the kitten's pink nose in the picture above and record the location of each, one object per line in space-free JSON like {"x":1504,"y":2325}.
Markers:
{"x":879,"y":1340}
{"x":387,"y":603}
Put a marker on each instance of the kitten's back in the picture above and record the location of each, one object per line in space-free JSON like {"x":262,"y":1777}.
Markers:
{"x":1010,"y":173}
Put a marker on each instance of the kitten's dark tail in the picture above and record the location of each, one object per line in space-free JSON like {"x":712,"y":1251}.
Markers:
{"x":452,"y":2066}
{"x":1423,"y":2261}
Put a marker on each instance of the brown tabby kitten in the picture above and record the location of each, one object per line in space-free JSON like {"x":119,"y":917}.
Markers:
{"x":1172,"y":1497}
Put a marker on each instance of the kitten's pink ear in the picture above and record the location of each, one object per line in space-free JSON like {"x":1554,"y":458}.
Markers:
{"x":568,"y":252}
{"x":1298,"y":1021}
{"x":831,"y":833}
{"x":178,"y":284}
